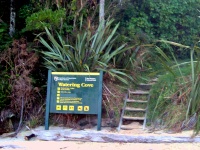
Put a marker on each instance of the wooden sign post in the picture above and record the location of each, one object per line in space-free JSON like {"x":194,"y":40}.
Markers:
{"x":74,"y":93}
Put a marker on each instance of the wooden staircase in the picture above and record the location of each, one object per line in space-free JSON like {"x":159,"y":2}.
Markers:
{"x":135,"y":106}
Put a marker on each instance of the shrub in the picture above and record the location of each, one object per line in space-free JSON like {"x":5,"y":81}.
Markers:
{"x":90,"y":52}
{"x":4,"y":90}
{"x":4,"y":36}
{"x":175,"y":98}
{"x":45,"y":18}
{"x":173,"y":20}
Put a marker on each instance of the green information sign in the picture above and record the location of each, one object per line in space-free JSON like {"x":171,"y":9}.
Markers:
{"x":74,"y":93}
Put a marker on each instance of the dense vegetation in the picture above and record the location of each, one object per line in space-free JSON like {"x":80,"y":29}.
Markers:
{"x":132,"y":45}
{"x":172,"y":20}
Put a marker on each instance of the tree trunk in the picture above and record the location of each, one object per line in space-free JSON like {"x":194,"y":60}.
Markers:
{"x":98,"y":136}
{"x":12,"y":18}
{"x":101,"y":11}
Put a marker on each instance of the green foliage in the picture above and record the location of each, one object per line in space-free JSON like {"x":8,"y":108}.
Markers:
{"x":173,"y":20}
{"x":4,"y":89}
{"x":177,"y":91}
{"x":5,"y":67}
{"x":167,"y":85}
{"x":57,"y":15}
{"x":25,"y":11}
{"x":90,"y":52}
{"x":4,"y":36}
{"x":46,"y":18}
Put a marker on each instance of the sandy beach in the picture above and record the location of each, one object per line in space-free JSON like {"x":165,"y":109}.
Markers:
{"x":20,"y":143}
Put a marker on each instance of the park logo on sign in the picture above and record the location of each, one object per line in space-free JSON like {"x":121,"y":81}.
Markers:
{"x":56,"y":78}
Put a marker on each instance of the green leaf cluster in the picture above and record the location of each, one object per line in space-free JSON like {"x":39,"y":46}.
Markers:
{"x":25,"y":11}
{"x":89,"y":52}
{"x":176,"y":97}
{"x":4,"y":36}
{"x":4,"y":89}
{"x":46,"y":18}
{"x":173,"y":20}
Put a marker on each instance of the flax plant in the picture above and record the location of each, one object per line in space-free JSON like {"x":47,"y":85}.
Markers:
{"x":188,"y":86}
{"x":90,"y":52}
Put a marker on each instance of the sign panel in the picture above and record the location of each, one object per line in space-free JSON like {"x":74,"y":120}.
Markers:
{"x":75,"y":93}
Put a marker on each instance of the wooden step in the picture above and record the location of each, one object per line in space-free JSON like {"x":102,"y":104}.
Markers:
{"x":125,"y":127}
{"x":134,"y":109}
{"x":136,"y":101}
{"x":144,"y":86}
{"x":133,"y":118}
{"x":154,"y":80}
{"x":139,"y":92}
